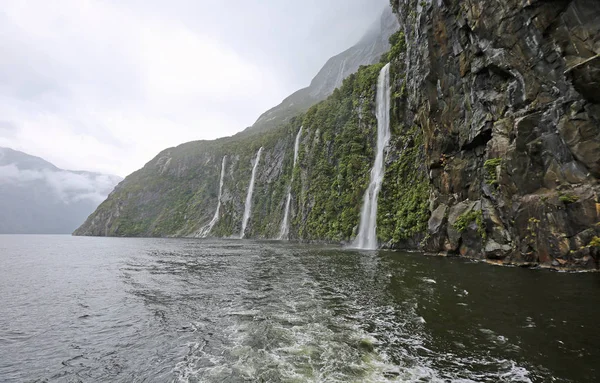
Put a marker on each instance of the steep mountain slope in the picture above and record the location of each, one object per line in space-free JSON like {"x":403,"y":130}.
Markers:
{"x":36,"y":197}
{"x":494,"y":154}
{"x":368,"y":51}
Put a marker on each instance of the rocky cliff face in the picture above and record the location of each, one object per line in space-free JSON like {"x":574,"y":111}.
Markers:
{"x":495,"y":148}
{"x":506,"y":94}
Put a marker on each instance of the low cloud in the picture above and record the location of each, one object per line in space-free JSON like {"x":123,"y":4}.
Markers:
{"x":69,"y":187}
{"x":7,"y":129}
{"x":106,"y":85}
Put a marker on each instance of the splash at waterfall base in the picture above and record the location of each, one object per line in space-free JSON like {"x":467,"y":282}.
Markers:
{"x":248,"y":206}
{"x":205,"y":231}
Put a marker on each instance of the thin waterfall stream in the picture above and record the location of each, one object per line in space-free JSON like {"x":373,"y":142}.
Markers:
{"x":367,"y":233}
{"x":285,"y":224}
{"x":205,"y":231}
{"x":248,"y":207}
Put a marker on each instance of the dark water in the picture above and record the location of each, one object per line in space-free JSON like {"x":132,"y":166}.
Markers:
{"x":148,"y":310}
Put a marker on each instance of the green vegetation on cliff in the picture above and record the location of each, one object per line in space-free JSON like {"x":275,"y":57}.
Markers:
{"x":339,"y":152}
{"x":176,"y":193}
{"x":466,"y":219}
{"x":335,"y":159}
{"x":398,"y":46}
{"x":404,"y":198}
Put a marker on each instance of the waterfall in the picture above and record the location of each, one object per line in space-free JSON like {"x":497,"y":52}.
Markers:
{"x":205,"y":231}
{"x":285,"y":225}
{"x":248,"y":207}
{"x":367,"y":233}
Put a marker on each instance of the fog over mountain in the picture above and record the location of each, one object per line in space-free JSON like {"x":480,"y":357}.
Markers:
{"x":162,"y":73}
{"x":367,"y":51}
{"x":37,"y":197}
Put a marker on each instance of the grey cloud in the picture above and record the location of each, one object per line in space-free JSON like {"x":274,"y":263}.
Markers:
{"x":7,"y":129}
{"x":119,"y":81}
{"x":70,"y":187}
{"x":294,"y":37}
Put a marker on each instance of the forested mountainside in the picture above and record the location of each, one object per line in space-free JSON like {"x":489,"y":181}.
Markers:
{"x":494,"y":151}
{"x":36,"y":197}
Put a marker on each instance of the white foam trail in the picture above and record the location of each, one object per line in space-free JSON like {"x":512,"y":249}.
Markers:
{"x":295,"y":333}
{"x":285,"y":224}
{"x":248,"y":207}
{"x":205,"y":231}
{"x":367,"y":233}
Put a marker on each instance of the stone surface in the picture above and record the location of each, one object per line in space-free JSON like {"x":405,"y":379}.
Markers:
{"x":519,"y":82}
{"x":437,"y":219}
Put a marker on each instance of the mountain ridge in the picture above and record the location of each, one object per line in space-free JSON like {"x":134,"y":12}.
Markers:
{"x":368,"y":50}
{"x":37,"y":197}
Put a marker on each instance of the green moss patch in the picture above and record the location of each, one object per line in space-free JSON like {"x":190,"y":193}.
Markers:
{"x":491,"y":166}
{"x":466,"y":219}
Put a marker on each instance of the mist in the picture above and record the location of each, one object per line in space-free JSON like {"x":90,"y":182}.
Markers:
{"x":69,"y":187}
{"x":106,"y":85}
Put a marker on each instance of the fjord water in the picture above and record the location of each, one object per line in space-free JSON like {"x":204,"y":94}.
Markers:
{"x":367,"y":230}
{"x":248,"y":206}
{"x":285,"y":223}
{"x":191,"y":310}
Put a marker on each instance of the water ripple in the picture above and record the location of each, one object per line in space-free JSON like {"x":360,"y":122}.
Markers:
{"x":233,"y":311}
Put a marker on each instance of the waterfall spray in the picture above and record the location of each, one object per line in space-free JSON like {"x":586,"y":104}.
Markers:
{"x":205,"y":231}
{"x":367,"y":233}
{"x":248,"y":207}
{"x":285,"y":224}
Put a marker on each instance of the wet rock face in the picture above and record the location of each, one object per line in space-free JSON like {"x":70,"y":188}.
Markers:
{"x":507,"y":92}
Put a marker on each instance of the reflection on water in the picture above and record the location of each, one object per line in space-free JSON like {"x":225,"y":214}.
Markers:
{"x":94,"y":309}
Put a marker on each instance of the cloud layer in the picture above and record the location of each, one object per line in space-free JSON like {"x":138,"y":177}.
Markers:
{"x":106,"y":85}
{"x":68,"y":187}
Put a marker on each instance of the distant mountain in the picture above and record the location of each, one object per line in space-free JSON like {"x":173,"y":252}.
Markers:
{"x":37,"y":197}
{"x":366,"y":52}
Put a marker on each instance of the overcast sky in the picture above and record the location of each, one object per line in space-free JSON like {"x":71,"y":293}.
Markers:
{"x":104,"y":85}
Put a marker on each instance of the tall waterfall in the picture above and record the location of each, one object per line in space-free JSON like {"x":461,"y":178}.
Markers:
{"x":285,"y":224}
{"x":205,"y":231}
{"x":367,"y":233}
{"x":248,"y":207}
